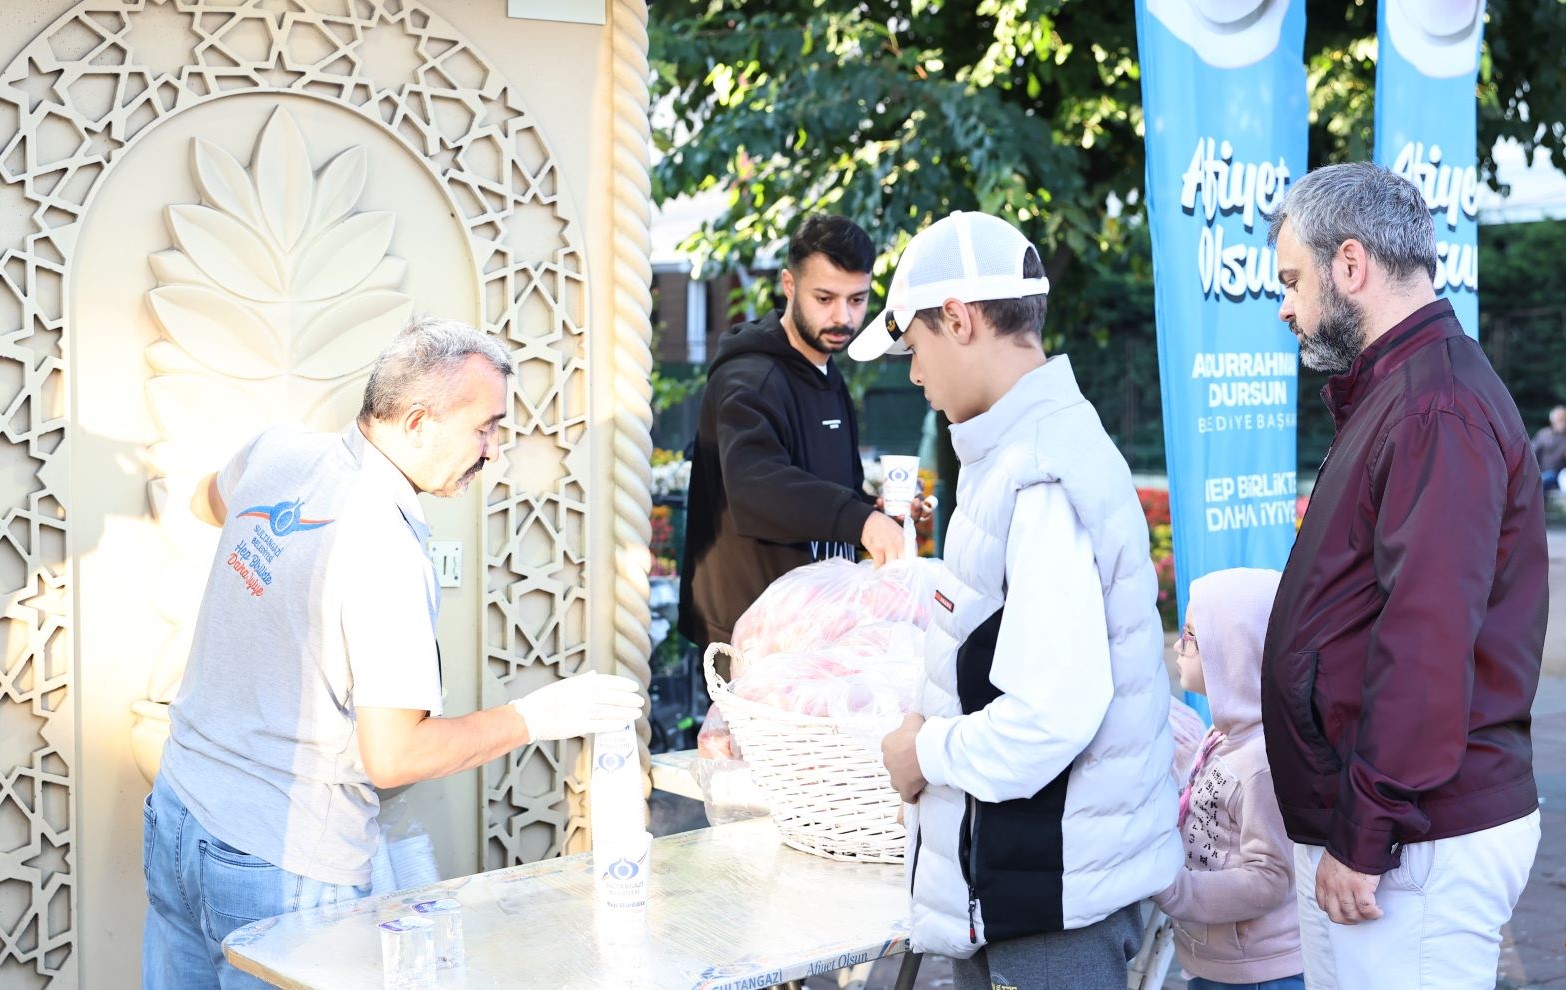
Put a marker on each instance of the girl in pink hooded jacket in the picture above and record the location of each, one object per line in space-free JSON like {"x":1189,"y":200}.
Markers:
{"x":1233,"y":903}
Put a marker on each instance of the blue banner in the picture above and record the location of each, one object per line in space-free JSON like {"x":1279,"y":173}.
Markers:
{"x":1426,"y":123}
{"x":1223,"y":94}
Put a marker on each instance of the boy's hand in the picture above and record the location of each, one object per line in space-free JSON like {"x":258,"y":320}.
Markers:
{"x":1347,"y":896}
{"x":920,"y":509}
{"x":923,"y":508}
{"x":902,"y":758}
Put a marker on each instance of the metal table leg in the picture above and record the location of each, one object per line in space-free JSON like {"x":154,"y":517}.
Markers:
{"x":908,"y":971}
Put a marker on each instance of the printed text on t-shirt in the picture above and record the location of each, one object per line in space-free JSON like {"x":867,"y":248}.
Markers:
{"x":250,"y":559}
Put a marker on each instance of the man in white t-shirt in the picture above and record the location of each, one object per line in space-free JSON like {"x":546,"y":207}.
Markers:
{"x":314,"y":676}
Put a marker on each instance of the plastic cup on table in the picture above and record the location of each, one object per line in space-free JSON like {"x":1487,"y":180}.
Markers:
{"x":408,"y":953}
{"x":446,"y":913}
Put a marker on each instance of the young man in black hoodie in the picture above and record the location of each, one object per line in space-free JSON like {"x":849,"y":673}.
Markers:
{"x":776,"y":480}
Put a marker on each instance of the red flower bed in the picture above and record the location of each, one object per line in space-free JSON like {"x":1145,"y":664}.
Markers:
{"x":1155,"y":505}
{"x":1160,"y":537}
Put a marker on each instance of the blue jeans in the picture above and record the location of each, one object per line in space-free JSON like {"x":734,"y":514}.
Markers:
{"x":1287,"y":983}
{"x":199,"y":889}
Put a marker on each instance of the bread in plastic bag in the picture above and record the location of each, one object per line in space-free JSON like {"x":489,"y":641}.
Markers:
{"x":835,"y":681}
{"x":813,"y":607}
{"x":836,"y":639}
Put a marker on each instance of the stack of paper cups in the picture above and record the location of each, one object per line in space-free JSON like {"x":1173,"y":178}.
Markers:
{"x":626,"y":859}
{"x":620,"y":918}
{"x":413,"y":860}
{"x":621,"y":843}
{"x":616,"y":797}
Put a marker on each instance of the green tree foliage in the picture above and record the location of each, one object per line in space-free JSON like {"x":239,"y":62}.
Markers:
{"x":1521,"y":88}
{"x":1522,"y":316}
{"x":894,"y":112}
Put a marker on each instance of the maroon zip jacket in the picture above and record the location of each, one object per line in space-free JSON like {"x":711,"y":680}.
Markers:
{"x":1405,"y":642}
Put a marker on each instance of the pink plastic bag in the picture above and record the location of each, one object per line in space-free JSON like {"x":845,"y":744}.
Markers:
{"x":823,"y":684}
{"x":815,"y":606}
{"x":714,"y":741}
{"x":837,"y":639}
{"x":729,"y":792}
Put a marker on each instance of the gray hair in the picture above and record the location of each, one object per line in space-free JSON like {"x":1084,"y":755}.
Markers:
{"x":1364,"y":202}
{"x":418,"y":366}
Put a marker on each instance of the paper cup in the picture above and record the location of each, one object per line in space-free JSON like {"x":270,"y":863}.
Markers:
{"x":623,"y":864}
{"x":900,"y":483}
{"x":617,"y":805}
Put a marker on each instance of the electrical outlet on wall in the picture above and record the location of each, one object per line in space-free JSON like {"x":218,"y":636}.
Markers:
{"x":447,"y":557}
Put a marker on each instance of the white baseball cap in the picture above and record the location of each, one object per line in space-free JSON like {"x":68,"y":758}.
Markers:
{"x":969,"y":257}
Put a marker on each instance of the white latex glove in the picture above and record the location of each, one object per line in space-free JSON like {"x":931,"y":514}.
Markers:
{"x":580,"y":706}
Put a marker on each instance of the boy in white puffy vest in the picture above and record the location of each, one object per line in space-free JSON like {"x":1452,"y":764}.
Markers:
{"x":1040,"y":804}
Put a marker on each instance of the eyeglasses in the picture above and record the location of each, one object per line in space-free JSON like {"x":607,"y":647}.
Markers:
{"x":1180,"y":644}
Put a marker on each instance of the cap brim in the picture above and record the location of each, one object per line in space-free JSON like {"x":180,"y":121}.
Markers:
{"x":874,"y":341}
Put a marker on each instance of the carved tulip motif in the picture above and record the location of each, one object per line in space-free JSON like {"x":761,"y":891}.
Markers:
{"x":274,"y":280}
{"x":273,"y":302}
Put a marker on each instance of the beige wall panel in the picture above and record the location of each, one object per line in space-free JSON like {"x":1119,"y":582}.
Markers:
{"x":504,"y":153}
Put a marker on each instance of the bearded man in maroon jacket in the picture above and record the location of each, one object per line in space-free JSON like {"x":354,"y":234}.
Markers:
{"x":1404,"y":647}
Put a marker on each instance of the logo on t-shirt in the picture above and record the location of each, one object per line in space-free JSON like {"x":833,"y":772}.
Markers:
{"x":252,"y":558}
{"x":284,"y":517}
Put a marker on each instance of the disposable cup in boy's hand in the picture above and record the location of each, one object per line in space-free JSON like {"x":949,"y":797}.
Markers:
{"x":900,"y":483}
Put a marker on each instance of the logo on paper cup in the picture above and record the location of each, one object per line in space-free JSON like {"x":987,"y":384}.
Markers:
{"x":1226,"y":34}
{"x":610,"y":761}
{"x":899,"y":474}
{"x":1440,"y":38}
{"x":624,"y":882}
{"x":622,"y":869}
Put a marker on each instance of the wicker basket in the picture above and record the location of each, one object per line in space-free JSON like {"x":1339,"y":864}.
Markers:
{"x":829,"y":794}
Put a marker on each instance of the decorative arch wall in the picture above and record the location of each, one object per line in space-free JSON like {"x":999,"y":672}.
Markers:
{"x":563,"y":522}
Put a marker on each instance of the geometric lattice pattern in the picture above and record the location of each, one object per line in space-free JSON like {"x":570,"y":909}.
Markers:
{"x":75,"y":101}
{"x":271,"y":309}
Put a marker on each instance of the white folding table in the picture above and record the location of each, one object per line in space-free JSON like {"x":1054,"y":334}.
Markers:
{"x":729,"y":908}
